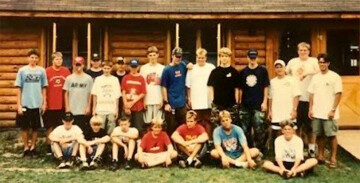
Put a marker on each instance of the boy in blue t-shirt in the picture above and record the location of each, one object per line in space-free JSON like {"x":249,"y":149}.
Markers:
{"x":31,"y":100}
{"x":231,"y":145}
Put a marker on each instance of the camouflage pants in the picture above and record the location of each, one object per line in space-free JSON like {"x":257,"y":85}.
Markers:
{"x":254,"y":121}
{"x":215,"y":109}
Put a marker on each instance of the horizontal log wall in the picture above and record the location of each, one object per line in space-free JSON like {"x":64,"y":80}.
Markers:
{"x":130,"y":43}
{"x":14,"y":45}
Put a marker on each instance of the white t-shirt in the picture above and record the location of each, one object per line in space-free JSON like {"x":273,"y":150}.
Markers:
{"x":325,"y":87}
{"x":290,"y":150}
{"x":152,"y":76}
{"x":107,"y":90}
{"x":282,"y":92}
{"x":60,"y":132}
{"x":297,"y":68}
{"x":196,"y":80}
{"x":118,"y":132}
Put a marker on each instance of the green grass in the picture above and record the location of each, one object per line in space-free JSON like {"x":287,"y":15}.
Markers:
{"x":13,"y":168}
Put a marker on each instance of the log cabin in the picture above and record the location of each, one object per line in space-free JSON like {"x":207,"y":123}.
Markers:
{"x":127,"y":27}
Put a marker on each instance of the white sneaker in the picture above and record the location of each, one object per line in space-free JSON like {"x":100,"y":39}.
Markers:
{"x":241,"y":164}
{"x":84,"y":166}
{"x":62,"y":165}
{"x":69,"y":164}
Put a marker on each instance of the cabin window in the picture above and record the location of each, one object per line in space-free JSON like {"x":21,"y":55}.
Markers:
{"x":289,"y":41}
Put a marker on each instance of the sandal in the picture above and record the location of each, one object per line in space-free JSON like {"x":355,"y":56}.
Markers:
{"x":332,"y":164}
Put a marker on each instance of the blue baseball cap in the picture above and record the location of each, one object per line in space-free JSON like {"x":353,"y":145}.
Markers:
{"x":134,"y":62}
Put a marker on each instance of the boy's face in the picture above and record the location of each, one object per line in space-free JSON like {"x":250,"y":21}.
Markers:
{"x":95,"y":64}
{"x":33,"y":59}
{"x":176,"y":59}
{"x":156,"y":129}
{"x":124,"y":125}
{"x":153,"y":57}
{"x":78,"y":68}
{"x":121,"y":67}
{"x":224,"y":59}
{"x":201,"y":60}
{"x":57,"y":62}
{"x":106,"y":70}
{"x":324,"y":66}
{"x":134,"y":69}
{"x":303,"y":52}
{"x":279,"y":70}
{"x":68,"y":124}
{"x":190,"y":122}
{"x":252,"y":60}
{"x":95,"y":127}
{"x":226,"y":122}
{"x":288,"y":132}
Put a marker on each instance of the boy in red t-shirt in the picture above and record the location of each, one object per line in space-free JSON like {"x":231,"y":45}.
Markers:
{"x":190,"y":138}
{"x":56,"y":76}
{"x":133,"y":92}
{"x":155,"y":147}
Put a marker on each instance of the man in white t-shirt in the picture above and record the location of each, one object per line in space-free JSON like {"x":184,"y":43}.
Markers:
{"x":325,"y":93}
{"x":64,"y":141}
{"x":106,"y":94}
{"x":303,"y":68}
{"x":152,"y":72}
{"x":124,"y":137}
{"x":289,"y":154}
{"x":197,"y":89}
{"x":284,"y":96}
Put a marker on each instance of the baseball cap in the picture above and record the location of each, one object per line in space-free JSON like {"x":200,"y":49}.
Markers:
{"x":67,"y":116}
{"x":252,"y":53}
{"x":134,"y":62}
{"x":95,"y":57}
{"x":120,"y":60}
{"x":79,"y":60}
{"x":281,"y":62}
{"x":177,"y":52}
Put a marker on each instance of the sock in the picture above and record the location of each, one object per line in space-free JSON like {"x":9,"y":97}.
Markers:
{"x":189,"y":160}
{"x":312,"y":147}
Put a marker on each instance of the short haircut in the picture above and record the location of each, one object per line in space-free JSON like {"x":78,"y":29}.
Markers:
{"x":304,"y":44}
{"x":324,"y":56}
{"x":56,"y":54}
{"x":201,"y":52}
{"x":157,"y":122}
{"x":123,"y":119}
{"x":96,"y":120}
{"x":152,"y":49}
{"x":191,"y":115}
{"x":224,"y":114}
{"x":225,"y":51}
{"x":287,"y":122}
{"x":107,"y":63}
{"x":33,"y":52}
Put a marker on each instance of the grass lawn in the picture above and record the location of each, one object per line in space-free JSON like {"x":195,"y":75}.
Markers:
{"x":13,"y":168}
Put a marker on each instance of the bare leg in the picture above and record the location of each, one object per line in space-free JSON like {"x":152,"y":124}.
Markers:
{"x":57,"y":150}
{"x":75,"y":149}
{"x":99,"y":150}
{"x":131,"y":149}
{"x":254,"y":152}
{"x":321,"y":144}
{"x":48,"y":131}
{"x":115,"y":151}
{"x":25,"y":139}
{"x":270,"y":166}
{"x":215,"y":154}
{"x":82,"y":151}
{"x":33,"y":139}
{"x":333,"y":153}
{"x":309,"y":163}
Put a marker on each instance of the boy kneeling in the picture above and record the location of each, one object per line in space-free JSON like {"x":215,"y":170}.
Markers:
{"x":93,"y":145}
{"x":289,"y":154}
{"x":64,"y":141}
{"x":123,"y":137}
{"x":231,"y":145}
{"x":190,"y":139}
{"x":155,"y":147}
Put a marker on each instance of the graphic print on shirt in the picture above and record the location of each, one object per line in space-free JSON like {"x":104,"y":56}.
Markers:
{"x":251,"y":80}
{"x":153,"y":79}
{"x":230,"y":144}
{"x":289,"y":153}
{"x":178,"y":74}
{"x":32,"y":78}
{"x":78,"y":85}
{"x":155,"y":147}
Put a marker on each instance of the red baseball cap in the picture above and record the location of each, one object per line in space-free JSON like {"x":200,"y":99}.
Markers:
{"x":79,"y":60}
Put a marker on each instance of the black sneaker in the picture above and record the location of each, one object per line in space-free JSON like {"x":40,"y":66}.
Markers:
{"x":33,"y":153}
{"x":26,"y":153}
{"x":49,"y":151}
{"x":197,"y":163}
{"x":114,"y":165}
{"x":127,"y":165}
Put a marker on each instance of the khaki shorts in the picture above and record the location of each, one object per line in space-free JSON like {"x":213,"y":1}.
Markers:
{"x":152,"y":159}
{"x":324,"y":127}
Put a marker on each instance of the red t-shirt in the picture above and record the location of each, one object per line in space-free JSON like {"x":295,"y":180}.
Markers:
{"x":54,"y":93}
{"x":190,"y":133}
{"x":134,"y":85}
{"x":155,"y":145}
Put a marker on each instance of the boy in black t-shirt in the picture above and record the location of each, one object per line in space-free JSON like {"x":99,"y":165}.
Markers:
{"x":254,"y":84}
{"x":95,"y":69}
{"x":93,"y":144}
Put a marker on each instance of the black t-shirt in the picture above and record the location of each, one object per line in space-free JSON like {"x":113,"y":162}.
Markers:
{"x":92,"y":135}
{"x":252,"y":84}
{"x":94,"y":74}
{"x":120,"y":77}
{"x":224,"y":81}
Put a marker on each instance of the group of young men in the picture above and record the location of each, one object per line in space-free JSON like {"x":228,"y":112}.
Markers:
{"x":199,"y":105}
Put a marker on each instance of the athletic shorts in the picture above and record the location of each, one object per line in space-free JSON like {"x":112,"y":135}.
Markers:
{"x":30,"y":119}
{"x":52,"y":118}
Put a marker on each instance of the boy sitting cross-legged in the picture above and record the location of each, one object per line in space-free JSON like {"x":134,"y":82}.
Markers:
{"x":64,"y":141}
{"x":123,"y":137}
{"x":93,"y":144}
{"x":289,"y":158}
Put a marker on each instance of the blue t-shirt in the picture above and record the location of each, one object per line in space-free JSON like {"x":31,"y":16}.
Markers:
{"x":252,"y":84}
{"x":31,"y":81}
{"x":173,"y":79}
{"x":231,"y":143}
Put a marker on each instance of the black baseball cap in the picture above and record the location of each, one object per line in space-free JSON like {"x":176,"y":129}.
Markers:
{"x":120,"y":60}
{"x":177,"y":52}
{"x":252,"y":53}
{"x":67,"y":116}
{"x":95,"y":57}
